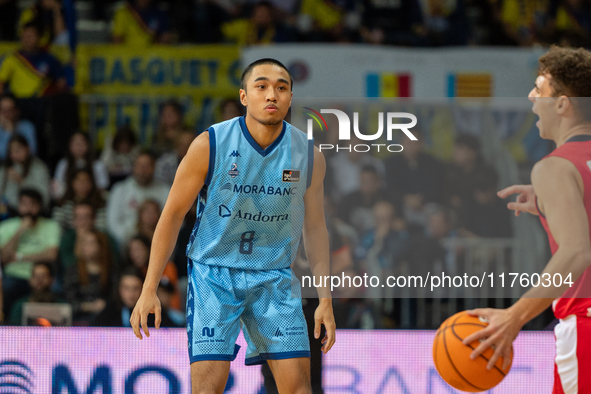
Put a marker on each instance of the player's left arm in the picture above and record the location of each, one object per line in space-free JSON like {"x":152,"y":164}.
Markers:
{"x":558,"y":185}
{"x":317,"y":249}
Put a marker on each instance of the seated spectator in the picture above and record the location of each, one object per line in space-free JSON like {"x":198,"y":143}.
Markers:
{"x":486,"y":215}
{"x":138,"y":255}
{"x":169,"y":128}
{"x":15,"y":71}
{"x":464,"y":173}
{"x":10,"y":124}
{"x":356,"y":208}
{"x":87,"y":283}
{"x":119,"y":154}
{"x":42,"y":278}
{"x":524,"y":21}
{"x":117,"y":313}
{"x":446,"y":22}
{"x":24,"y":241}
{"x":231,"y":109}
{"x":320,"y":19}
{"x":167,"y":164}
{"x":140,"y":24}
{"x":393,"y":23}
{"x":83,"y":221}
{"x":167,"y":293}
{"x":79,"y":156}
{"x":80,"y":189}
{"x":47,"y":14}
{"x":148,"y":216}
{"x":261,"y":28}
{"x":571,"y":20}
{"x":22,"y":170}
{"x":346,"y":168}
{"x":414,"y":174}
{"x":126,"y":197}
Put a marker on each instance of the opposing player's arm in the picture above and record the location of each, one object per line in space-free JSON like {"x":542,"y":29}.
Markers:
{"x":317,"y":248}
{"x":189,"y":179}
{"x":558,"y":186}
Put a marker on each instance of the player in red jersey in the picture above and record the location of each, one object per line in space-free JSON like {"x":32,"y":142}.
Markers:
{"x":561,"y":195}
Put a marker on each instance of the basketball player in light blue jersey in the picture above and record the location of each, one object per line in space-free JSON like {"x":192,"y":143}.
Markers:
{"x":260,"y":186}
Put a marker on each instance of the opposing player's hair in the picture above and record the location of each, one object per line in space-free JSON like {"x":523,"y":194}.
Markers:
{"x":248,"y":70}
{"x":570,"y":70}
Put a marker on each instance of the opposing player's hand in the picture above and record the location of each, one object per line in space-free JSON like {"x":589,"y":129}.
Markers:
{"x":526,"y":200}
{"x":324,"y":315}
{"x":148,"y":303}
{"x":499,"y":334}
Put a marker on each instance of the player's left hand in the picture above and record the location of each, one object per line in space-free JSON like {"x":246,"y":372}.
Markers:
{"x":324,"y":315}
{"x":499,"y":334}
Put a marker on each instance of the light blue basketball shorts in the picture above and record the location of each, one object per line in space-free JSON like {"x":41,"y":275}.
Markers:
{"x":221,"y":300}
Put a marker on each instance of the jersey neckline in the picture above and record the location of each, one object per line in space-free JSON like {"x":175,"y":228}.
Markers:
{"x":254,"y":144}
{"x":580,"y":138}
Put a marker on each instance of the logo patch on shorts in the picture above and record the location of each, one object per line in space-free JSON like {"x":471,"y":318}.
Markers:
{"x":291,"y":176}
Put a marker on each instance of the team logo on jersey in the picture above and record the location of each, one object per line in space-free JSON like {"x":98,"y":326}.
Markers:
{"x":291,"y":176}
{"x":233,"y":170}
{"x":208,"y":332}
{"x":234,"y":154}
{"x":226,"y":186}
{"x":224,"y":211}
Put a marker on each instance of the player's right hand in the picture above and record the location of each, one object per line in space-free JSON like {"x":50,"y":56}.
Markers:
{"x":148,"y":303}
{"x":526,"y":200}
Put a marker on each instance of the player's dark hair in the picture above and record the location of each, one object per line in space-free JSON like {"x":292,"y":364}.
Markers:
{"x":248,"y":70}
{"x":570,"y":70}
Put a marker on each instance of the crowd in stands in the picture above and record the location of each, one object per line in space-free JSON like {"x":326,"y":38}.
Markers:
{"x":247,"y":22}
{"x":76,"y":225}
{"x":86,"y":224}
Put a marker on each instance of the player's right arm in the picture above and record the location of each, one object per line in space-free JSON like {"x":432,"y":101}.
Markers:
{"x":189,"y":179}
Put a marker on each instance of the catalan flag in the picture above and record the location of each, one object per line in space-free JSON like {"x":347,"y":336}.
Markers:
{"x":388,"y":85}
{"x":470,"y":85}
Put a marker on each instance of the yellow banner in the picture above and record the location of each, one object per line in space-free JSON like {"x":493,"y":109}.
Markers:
{"x":125,"y":85}
{"x":158,"y":70}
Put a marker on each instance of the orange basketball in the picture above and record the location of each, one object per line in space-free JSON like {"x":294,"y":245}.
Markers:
{"x":452,"y":357}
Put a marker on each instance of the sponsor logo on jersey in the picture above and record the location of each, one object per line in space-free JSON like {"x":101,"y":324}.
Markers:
{"x":260,"y":217}
{"x":208,"y":332}
{"x":224,"y":211}
{"x":234,"y":154}
{"x":291,"y":176}
{"x":262,"y":189}
{"x":226,"y":186}
{"x":233,"y":170}
{"x":278,"y":333}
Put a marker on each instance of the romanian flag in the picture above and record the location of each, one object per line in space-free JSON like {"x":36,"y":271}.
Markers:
{"x":388,"y":85}
{"x":469,"y":85}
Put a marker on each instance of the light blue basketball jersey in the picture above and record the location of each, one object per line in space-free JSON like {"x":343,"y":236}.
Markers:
{"x":250,"y":213}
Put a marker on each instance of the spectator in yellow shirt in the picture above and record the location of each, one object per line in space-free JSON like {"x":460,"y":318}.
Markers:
{"x":261,"y":28}
{"x":141,"y":24}
{"x":31,"y":71}
{"x":48,"y":15}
